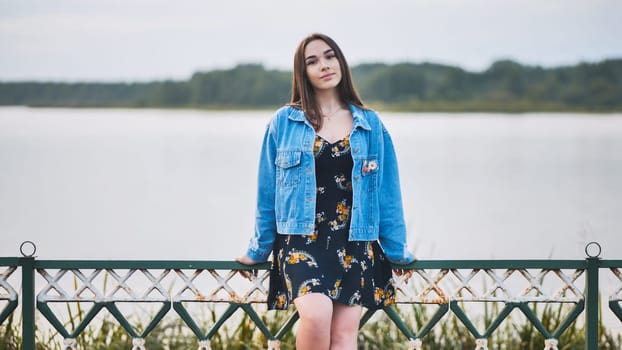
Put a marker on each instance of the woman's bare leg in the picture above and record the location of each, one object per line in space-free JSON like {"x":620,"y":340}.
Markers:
{"x":314,"y":327}
{"x":345,"y":326}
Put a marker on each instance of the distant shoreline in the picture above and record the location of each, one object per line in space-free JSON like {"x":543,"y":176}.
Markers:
{"x":506,"y":86}
{"x":432,"y":108}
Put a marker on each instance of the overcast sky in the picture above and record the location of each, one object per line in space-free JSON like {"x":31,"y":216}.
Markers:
{"x":129,"y":40}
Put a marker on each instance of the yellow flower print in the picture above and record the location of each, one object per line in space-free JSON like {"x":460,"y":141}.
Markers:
{"x":341,"y":148}
{"x":343,"y":211}
{"x":293,"y":259}
{"x":318,"y":147}
{"x":296,"y":256}
{"x":307,"y":285}
{"x":334,"y":293}
{"x":281,"y":300}
{"x":342,"y":182}
{"x":389,"y":298}
{"x":345,"y":260}
{"x":320,"y":217}
{"x":343,"y":214}
{"x":311,"y":238}
{"x":378,"y":295}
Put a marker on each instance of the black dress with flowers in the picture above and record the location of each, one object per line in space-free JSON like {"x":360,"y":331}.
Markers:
{"x":350,"y":272}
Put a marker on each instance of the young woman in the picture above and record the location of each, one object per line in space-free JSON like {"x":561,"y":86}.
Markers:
{"x":329,"y":203}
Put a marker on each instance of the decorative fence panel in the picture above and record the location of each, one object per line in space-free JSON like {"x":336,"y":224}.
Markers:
{"x":504,"y":287}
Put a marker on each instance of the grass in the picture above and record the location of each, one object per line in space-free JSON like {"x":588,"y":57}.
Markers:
{"x":380,"y":333}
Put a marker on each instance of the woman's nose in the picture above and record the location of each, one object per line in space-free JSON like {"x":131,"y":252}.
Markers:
{"x":323,"y":63}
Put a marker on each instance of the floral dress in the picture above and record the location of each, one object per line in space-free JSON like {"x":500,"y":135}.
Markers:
{"x":349,"y":272}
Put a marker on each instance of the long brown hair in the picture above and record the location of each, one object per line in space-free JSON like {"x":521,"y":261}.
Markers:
{"x":303,"y":94}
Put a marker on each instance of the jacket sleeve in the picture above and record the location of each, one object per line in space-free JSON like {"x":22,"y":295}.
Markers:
{"x":261,"y":242}
{"x":392,"y":233}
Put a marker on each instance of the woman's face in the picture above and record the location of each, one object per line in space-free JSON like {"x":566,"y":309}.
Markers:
{"x":322,"y":66}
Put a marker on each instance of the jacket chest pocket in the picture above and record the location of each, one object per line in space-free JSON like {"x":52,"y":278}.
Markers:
{"x":288,"y":169}
{"x":369,"y":173}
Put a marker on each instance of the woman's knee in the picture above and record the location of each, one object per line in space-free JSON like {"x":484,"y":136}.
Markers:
{"x":344,"y":326}
{"x":315,"y":308}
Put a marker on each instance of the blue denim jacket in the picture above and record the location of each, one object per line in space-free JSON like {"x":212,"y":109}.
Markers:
{"x":286,"y":184}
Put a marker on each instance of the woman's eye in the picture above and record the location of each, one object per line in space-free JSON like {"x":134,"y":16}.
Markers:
{"x":311,"y":62}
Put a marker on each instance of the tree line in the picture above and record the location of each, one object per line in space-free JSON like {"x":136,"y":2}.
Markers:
{"x":505,"y":86}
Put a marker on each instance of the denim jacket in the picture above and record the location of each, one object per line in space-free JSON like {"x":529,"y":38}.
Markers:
{"x":286,"y":184}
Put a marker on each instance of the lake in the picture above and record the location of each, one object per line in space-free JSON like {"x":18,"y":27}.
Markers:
{"x":180,"y":184}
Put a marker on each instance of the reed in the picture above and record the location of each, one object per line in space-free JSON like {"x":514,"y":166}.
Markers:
{"x":380,"y":333}
{"x":9,"y":335}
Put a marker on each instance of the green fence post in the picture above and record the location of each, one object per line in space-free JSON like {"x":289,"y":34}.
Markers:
{"x":27,"y":263}
{"x":591,"y":297}
{"x":28,"y":303}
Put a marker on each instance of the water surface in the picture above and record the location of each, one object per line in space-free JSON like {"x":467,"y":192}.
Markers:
{"x":179,"y":184}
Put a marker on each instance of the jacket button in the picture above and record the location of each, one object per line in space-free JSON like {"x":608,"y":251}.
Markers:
{"x":356,"y":178}
{"x":356,"y":150}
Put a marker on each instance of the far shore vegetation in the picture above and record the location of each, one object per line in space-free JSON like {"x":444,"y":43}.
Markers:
{"x":506,"y":86}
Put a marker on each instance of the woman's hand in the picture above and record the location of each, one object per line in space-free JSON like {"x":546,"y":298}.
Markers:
{"x":245,"y":260}
{"x":402,"y":272}
{"x":406,"y":273}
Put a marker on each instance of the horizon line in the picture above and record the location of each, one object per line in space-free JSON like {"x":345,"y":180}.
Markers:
{"x":280,"y":69}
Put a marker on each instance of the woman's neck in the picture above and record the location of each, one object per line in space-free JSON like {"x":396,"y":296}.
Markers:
{"x":328,"y":101}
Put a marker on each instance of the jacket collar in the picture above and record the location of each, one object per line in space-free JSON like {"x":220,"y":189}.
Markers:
{"x":296,"y":114}
{"x":360,"y":121}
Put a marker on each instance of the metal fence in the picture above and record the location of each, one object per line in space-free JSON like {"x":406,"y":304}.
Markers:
{"x":449,"y":286}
